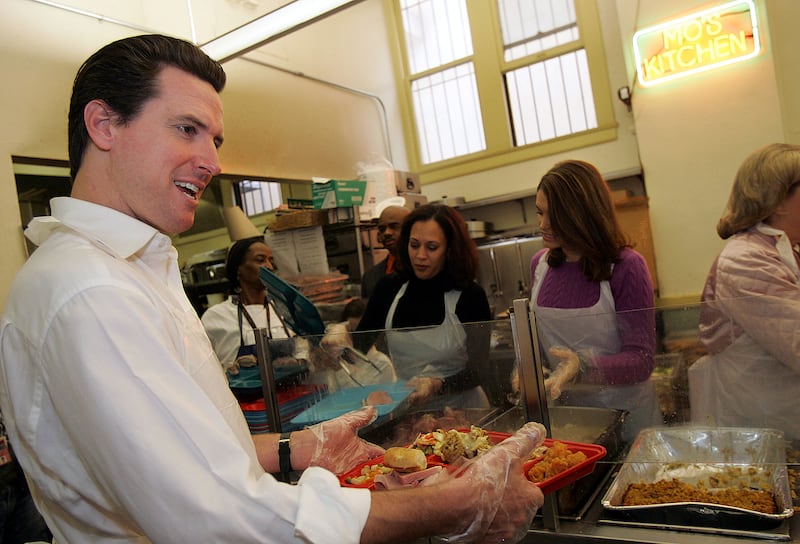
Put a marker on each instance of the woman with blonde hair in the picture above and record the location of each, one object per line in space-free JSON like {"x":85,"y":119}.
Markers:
{"x":751,"y":301}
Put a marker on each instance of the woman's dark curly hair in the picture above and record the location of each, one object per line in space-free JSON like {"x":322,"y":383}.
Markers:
{"x":461,"y":264}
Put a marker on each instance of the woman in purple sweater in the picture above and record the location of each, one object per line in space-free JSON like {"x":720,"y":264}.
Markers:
{"x":592,"y":298}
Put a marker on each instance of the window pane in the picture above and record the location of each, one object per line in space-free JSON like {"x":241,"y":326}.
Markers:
{"x":436,"y":32}
{"x":551,"y":98}
{"x":531,"y":26}
{"x":448,"y":114}
{"x":260,"y":196}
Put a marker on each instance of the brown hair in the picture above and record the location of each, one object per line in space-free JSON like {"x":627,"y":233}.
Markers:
{"x":762,"y":183}
{"x":124,"y":75}
{"x":583,"y":216}
{"x":461,"y":264}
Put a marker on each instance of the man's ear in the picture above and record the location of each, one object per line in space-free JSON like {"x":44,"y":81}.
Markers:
{"x":98,"y":119}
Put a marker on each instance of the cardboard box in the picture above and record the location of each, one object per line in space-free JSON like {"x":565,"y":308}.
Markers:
{"x":337,"y":193}
{"x":406,"y":182}
{"x":414,"y":200}
{"x":299,"y":220}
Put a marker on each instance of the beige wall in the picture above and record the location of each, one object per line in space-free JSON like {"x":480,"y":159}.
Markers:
{"x":693,"y":134}
{"x":277,"y":124}
{"x":688,"y":136}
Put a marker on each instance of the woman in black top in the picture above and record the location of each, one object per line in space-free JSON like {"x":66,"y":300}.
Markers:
{"x":434,"y":287}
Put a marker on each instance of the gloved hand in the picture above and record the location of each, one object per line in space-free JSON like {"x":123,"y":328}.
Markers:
{"x":507,"y":499}
{"x":243,"y":361}
{"x":424,"y":388}
{"x":338,"y":446}
{"x":568,"y":367}
{"x":337,"y":337}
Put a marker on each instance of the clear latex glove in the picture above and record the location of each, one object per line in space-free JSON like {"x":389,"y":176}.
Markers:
{"x":233,"y":369}
{"x":424,"y":388}
{"x":245,"y":361}
{"x":507,"y":499}
{"x":568,"y":367}
{"x":337,"y":337}
{"x":338,"y":447}
{"x":380,"y":369}
{"x":286,"y":361}
{"x":321,"y":360}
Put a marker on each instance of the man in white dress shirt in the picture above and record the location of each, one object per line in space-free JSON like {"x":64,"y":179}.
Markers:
{"x":114,"y":400}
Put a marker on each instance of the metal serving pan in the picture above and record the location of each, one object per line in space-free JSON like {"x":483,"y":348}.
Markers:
{"x":693,"y":454}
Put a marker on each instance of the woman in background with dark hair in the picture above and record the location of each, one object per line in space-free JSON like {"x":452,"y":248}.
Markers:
{"x":230,"y":323}
{"x":434,"y":287}
{"x":592,"y":297}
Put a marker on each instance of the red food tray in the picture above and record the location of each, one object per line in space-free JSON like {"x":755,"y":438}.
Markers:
{"x":433,"y":460}
{"x":593,"y":452}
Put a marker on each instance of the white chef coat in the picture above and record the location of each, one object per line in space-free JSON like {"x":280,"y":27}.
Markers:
{"x":221,"y":322}
{"x":118,"y":409}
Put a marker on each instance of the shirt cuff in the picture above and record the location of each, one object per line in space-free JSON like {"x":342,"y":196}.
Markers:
{"x":326,"y":508}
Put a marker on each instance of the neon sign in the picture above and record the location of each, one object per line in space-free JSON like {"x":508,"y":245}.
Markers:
{"x":701,"y":41}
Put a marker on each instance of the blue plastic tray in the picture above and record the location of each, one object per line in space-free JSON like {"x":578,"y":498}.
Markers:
{"x":346,"y":400}
{"x":250,"y":377}
{"x":296,"y":310}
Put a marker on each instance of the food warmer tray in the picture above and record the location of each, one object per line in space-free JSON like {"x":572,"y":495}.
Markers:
{"x":692,"y":454}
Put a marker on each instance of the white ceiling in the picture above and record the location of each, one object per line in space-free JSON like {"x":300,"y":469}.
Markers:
{"x":198,"y":21}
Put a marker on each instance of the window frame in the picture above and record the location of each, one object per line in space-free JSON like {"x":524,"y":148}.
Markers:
{"x":490,"y":68}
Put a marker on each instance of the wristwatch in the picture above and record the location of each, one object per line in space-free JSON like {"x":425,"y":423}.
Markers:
{"x":285,"y":454}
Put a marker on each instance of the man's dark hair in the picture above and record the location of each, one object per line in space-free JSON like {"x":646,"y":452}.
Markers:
{"x":123,"y":74}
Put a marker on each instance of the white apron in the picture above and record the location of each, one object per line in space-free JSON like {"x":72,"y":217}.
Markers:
{"x":439,"y":351}
{"x":744,"y":386}
{"x":593,"y":329}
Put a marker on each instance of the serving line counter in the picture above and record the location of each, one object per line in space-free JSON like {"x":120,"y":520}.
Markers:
{"x":331,"y":382}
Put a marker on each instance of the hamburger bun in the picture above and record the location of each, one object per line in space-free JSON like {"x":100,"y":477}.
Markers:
{"x":405,"y":459}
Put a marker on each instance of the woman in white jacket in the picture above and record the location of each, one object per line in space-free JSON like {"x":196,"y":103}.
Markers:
{"x":751,"y":302}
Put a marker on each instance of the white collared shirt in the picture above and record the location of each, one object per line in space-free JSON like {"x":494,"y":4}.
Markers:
{"x":118,"y":408}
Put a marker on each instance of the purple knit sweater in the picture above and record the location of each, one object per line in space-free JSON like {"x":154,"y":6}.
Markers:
{"x":632,"y":288}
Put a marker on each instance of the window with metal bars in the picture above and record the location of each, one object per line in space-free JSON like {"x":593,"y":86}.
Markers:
{"x":495,"y":76}
{"x":259,"y":196}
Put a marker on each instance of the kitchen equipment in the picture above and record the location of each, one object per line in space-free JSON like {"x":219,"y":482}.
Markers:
{"x":504,"y":269}
{"x":205,"y":267}
{"x":478,"y":229}
{"x":736,"y":457}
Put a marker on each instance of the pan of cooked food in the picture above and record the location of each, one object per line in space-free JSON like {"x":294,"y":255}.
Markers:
{"x":686,"y":476}
{"x":551,"y":466}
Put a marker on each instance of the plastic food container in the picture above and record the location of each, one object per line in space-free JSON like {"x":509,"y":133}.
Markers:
{"x":593,"y":452}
